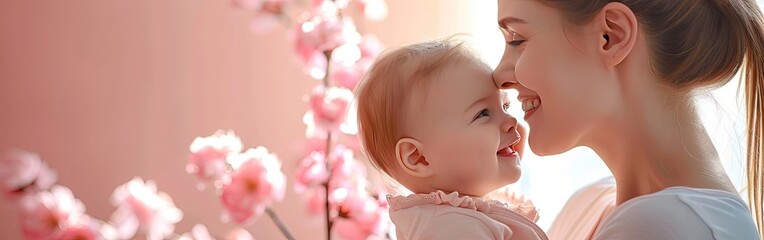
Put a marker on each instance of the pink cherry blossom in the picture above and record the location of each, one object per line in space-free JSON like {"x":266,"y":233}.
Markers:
{"x":316,"y":136}
{"x":374,"y":10}
{"x":350,"y":67}
{"x":370,"y":47}
{"x":313,"y":144}
{"x":321,"y":30}
{"x":24,"y":172}
{"x":346,"y":54}
{"x":86,"y":228}
{"x":329,"y":107}
{"x":208,"y":154}
{"x":360,"y":215}
{"x":198,"y":232}
{"x":270,"y":6}
{"x":346,"y":171}
{"x":239,"y":234}
{"x":44,"y":214}
{"x":79,"y":232}
{"x":349,"y":76}
{"x":311,"y":172}
{"x":255,"y":183}
{"x":268,"y":13}
{"x":315,"y":200}
{"x":142,"y":209}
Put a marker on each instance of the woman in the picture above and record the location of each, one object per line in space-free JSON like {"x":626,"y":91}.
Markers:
{"x":618,"y":77}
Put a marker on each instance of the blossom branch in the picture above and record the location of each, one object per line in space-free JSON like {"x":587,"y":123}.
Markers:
{"x":279,"y":223}
{"x":328,"y":55}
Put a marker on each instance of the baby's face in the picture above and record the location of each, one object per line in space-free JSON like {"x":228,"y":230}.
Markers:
{"x":473,"y":144}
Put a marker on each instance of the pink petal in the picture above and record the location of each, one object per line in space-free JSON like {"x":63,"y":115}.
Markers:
{"x":311,"y":172}
{"x":239,"y":234}
{"x":374,"y":10}
{"x":256,"y":182}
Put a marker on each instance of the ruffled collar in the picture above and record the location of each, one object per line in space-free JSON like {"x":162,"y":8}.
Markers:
{"x":488,"y":206}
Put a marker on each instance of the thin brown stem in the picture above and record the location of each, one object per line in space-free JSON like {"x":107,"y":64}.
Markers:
{"x":279,"y":223}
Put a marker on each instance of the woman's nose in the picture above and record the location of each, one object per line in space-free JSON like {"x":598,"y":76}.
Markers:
{"x":504,"y":74}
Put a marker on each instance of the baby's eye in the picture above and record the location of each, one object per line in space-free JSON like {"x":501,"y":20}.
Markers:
{"x":482,"y":113}
{"x":505,"y":106}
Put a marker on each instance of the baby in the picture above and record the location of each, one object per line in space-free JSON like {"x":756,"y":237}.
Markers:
{"x":431,"y":118}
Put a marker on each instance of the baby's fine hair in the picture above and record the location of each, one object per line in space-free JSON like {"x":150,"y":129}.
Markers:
{"x":384,"y":93}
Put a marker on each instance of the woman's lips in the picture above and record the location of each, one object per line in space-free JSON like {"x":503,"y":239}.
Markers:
{"x":529,"y":113}
{"x":530,"y":105}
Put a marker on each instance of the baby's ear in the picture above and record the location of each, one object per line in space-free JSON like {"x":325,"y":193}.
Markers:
{"x":410,"y":158}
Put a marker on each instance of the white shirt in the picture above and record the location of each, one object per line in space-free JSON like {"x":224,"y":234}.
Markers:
{"x":681,"y":213}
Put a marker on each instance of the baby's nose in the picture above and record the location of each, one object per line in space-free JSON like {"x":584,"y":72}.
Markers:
{"x":509,"y":124}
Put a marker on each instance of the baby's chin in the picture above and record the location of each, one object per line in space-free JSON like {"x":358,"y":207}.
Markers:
{"x":511,"y":173}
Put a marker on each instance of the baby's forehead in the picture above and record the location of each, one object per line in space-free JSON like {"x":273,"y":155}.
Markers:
{"x":458,"y":83}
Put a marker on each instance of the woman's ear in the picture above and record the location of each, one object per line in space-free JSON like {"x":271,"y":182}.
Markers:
{"x":619,"y":27}
{"x":410,"y":158}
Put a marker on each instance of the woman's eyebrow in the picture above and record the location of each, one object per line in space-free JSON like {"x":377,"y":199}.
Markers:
{"x":507,"y":20}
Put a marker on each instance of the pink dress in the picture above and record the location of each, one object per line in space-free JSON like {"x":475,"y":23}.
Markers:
{"x":439,"y":215}
{"x":585,"y":211}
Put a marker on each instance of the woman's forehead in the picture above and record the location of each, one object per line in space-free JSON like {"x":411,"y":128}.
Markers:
{"x":518,"y":12}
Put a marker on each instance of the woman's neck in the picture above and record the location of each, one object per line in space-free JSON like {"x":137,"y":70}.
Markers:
{"x":654,"y":145}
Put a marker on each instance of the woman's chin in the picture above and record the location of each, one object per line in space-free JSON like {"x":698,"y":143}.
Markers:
{"x":542,"y":147}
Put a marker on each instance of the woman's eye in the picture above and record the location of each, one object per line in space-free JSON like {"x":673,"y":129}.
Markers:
{"x":515,"y":43}
{"x":482,"y":113}
{"x":516,"y":39}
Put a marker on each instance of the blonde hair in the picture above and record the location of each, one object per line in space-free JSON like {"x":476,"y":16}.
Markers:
{"x":698,"y":44}
{"x":384,"y":94}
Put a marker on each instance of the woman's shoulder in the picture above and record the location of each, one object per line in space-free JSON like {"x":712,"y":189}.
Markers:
{"x":681,"y":213}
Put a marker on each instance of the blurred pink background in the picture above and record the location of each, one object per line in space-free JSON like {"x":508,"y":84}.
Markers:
{"x":107,"y":90}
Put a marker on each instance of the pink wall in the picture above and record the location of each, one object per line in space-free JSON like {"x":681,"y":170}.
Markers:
{"x":108,"y":90}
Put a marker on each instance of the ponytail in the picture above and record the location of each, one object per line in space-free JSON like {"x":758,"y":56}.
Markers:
{"x":754,"y":100}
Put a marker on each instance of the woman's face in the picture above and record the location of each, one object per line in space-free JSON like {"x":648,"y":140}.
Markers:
{"x":558,"y":71}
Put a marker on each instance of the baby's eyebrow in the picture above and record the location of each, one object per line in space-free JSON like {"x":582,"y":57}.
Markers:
{"x":483,"y":99}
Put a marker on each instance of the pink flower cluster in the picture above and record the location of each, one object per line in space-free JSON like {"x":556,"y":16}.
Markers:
{"x":357,"y":213}
{"x":330,"y":48}
{"x":46,"y":210}
{"x":209,"y":155}
{"x":322,"y":33}
{"x":24,"y":172}
{"x":142,"y":209}
{"x":49,"y":211}
{"x":55,"y":214}
{"x":248,"y":182}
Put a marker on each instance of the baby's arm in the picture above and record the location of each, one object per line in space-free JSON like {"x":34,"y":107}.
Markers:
{"x":455,"y":225}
